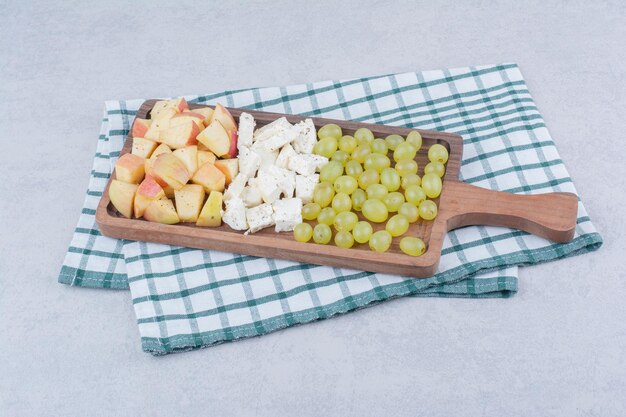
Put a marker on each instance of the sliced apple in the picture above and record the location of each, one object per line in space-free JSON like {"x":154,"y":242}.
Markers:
{"x":211,"y":178}
{"x":206,"y":112}
{"x":149,"y":163}
{"x":180,"y":136}
{"x":130,"y":168}
{"x":229,"y":167}
{"x":215,"y":138}
{"x":169,"y":191}
{"x":178,"y":105}
{"x":189,"y":201}
{"x":143,"y":147}
{"x":232,"y":151}
{"x":211,"y":214}
{"x":169,"y":170}
{"x":205,"y":156}
{"x":140,"y":127}
{"x":161,"y":211}
{"x":189,"y":156}
{"x":201,"y":146}
{"x":122,"y":195}
{"x":224,"y":117}
{"x":148,"y":191}
{"x":183,"y":118}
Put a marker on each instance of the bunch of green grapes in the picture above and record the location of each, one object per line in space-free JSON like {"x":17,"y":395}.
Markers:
{"x":378,"y":178}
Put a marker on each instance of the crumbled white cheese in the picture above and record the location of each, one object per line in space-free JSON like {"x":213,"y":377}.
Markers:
{"x":246,"y":130}
{"x":305,"y":185}
{"x":235,"y":214}
{"x":287,"y":214}
{"x":236,"y":187}
{"x":283,"y":157}
{"x":267,"y":184}
{"x":259,"y":217}
{"x":306,"y":164}
{"x":271,"y":129}
{"x":251,"y":196}
{"x":304,"y":136}
{"x":249,"y":162}
{"x":268,"y":158}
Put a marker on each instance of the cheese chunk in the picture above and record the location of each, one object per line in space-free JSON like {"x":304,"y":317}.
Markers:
{"x":235,"y":214}
{"x":305,"y":185}
{"x":249,"y":162}
{"x":287,"y":214}
{"x":283,"y":157}
{"x":268,"y":184}
{"x":246,"y":130}
{"x":267,"y":158}
{"x":236,"y":187}
{"x":251,"y":196}
{"x":259,"y":217}
{"x":306,"y":164}
{"x":276,"y":127}
{"x":304,"y":136}
{"x":276,"y":141}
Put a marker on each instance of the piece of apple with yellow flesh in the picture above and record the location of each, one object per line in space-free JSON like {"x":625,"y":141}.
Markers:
{"x":206,"y":112}
{"x":180,"y":136}
{"x":148,"y":191}
{"x":211,"y":178}
{"x":232,"y":151}
{"x":215,"y":138}
{"x":129,"y":168}
{"x":122,"y":195}
{"x":211,"y":214}
{"x":189,"y":156}
{"x":143,"y":147}
{"x":161,"y":211}
{"x":189,"y":201}
{"x":178,"y":104}
{"x":140,"y":127}
{"x":201,"y":146}
{"x":169,"y":170}
{"x":182,"y":118}
{"x":149,"y":163}
{"x":224,"y":117}
{"x":229,"y":167}
{"x":205,"y":156}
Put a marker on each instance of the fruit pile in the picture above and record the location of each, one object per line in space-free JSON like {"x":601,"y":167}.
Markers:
{"x":178,"y":154}
{"x":374,"y":177}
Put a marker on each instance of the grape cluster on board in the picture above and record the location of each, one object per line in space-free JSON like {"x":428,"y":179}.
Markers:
{"x":361,"y":177}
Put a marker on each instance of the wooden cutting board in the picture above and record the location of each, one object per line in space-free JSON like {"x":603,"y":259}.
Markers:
{"x":551,"y":215}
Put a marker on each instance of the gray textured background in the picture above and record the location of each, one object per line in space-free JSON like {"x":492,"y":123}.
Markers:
{"x":557,"y":348}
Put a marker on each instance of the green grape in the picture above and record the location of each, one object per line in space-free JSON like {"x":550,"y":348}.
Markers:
{"x":342,"y":202}
{"x":375,"y":211}
{"x":325,"y":147}
{"x":323,"y":194}
{"x":363,"y":135}
{"x":347,"y":143}
{"x":358,"y":198}
{"x":322,"y":234}
{"x":393,"y":141}
{"x":428,"y":210}
{"x":436,"y":168}
{"x":377,"y":191}
{"x":327,"y":216}
{"x":414,"y":194}
{"x":411,"y":179}
{"x":354,"y":169}
{"x":438,"y":153}
{"x":302,"y":232}
{"x":415,"y":139}
{"x":368,"y":177}
{"x":404,"y":151}
{"x":346,"y":221}
{"x":413,"y":246}
{"x":331,"y":171}
{"x":310,"y":211}
{"x":362,"y":231}
{"x":360,"y":153}
{"x":406,"y":167}
{"x":397,"y":225}
{"x":380,"y":146}
{"x":330,"y":130}
{"x":377,"y":162}
{"x":410,"y":211}
{"x":344,"y":239}
{"x":380,"y":241}
{"x":341,"y":157}
{"x":346,"y":184}
{"x":393,"y":201}
{"x":390,"y":179}
{"x":431,"y":184}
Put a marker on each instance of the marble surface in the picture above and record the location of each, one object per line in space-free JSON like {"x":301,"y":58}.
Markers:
{"x":556,"y":348}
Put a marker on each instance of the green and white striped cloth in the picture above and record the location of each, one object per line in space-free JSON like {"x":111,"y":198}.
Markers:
{"x":187,"y":298}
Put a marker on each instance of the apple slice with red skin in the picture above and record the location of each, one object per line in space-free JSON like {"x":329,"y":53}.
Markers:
{"x":224,"y":117}
{"x":130,"y":168}
{"x":180,"y":136}
{"x":229,"y":167}
{"x":189,"y":156}
{"x":169,"y":170}
{"x":148,"y":191}
{"x":216,"y":139}
{"x":211,"y":178}
{"x":206,"y":112}
{"x":122,"y":195}
{"x":140,"y":127}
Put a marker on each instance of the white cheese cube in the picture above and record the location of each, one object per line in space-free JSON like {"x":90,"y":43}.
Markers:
{"x":287,"y":214}
{"x":271,"y":129}
{"x":267,"y":184}
{"x":283,"y":157}
{"x":305,"y":185}
{"x":246,"y":130}
{"x":259,"y":217}
{"x":306,"y":164}
{"x":251,"y":196}
{"x":236,"y":187}
{"x":285,"y":179}
{"x":276,"y":141}
{"x":267,"y":157}
{"x":305,"y":136}
{"x":249,"y":162}
{"x":235,"y":214}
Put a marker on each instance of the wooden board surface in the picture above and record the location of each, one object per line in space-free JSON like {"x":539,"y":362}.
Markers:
{"x":551,"y":215}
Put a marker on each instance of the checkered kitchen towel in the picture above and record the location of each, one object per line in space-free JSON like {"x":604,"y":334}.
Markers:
{"x":187,"y":298}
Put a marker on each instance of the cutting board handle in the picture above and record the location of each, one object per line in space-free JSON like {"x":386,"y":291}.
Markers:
{"x":551,"y":216}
